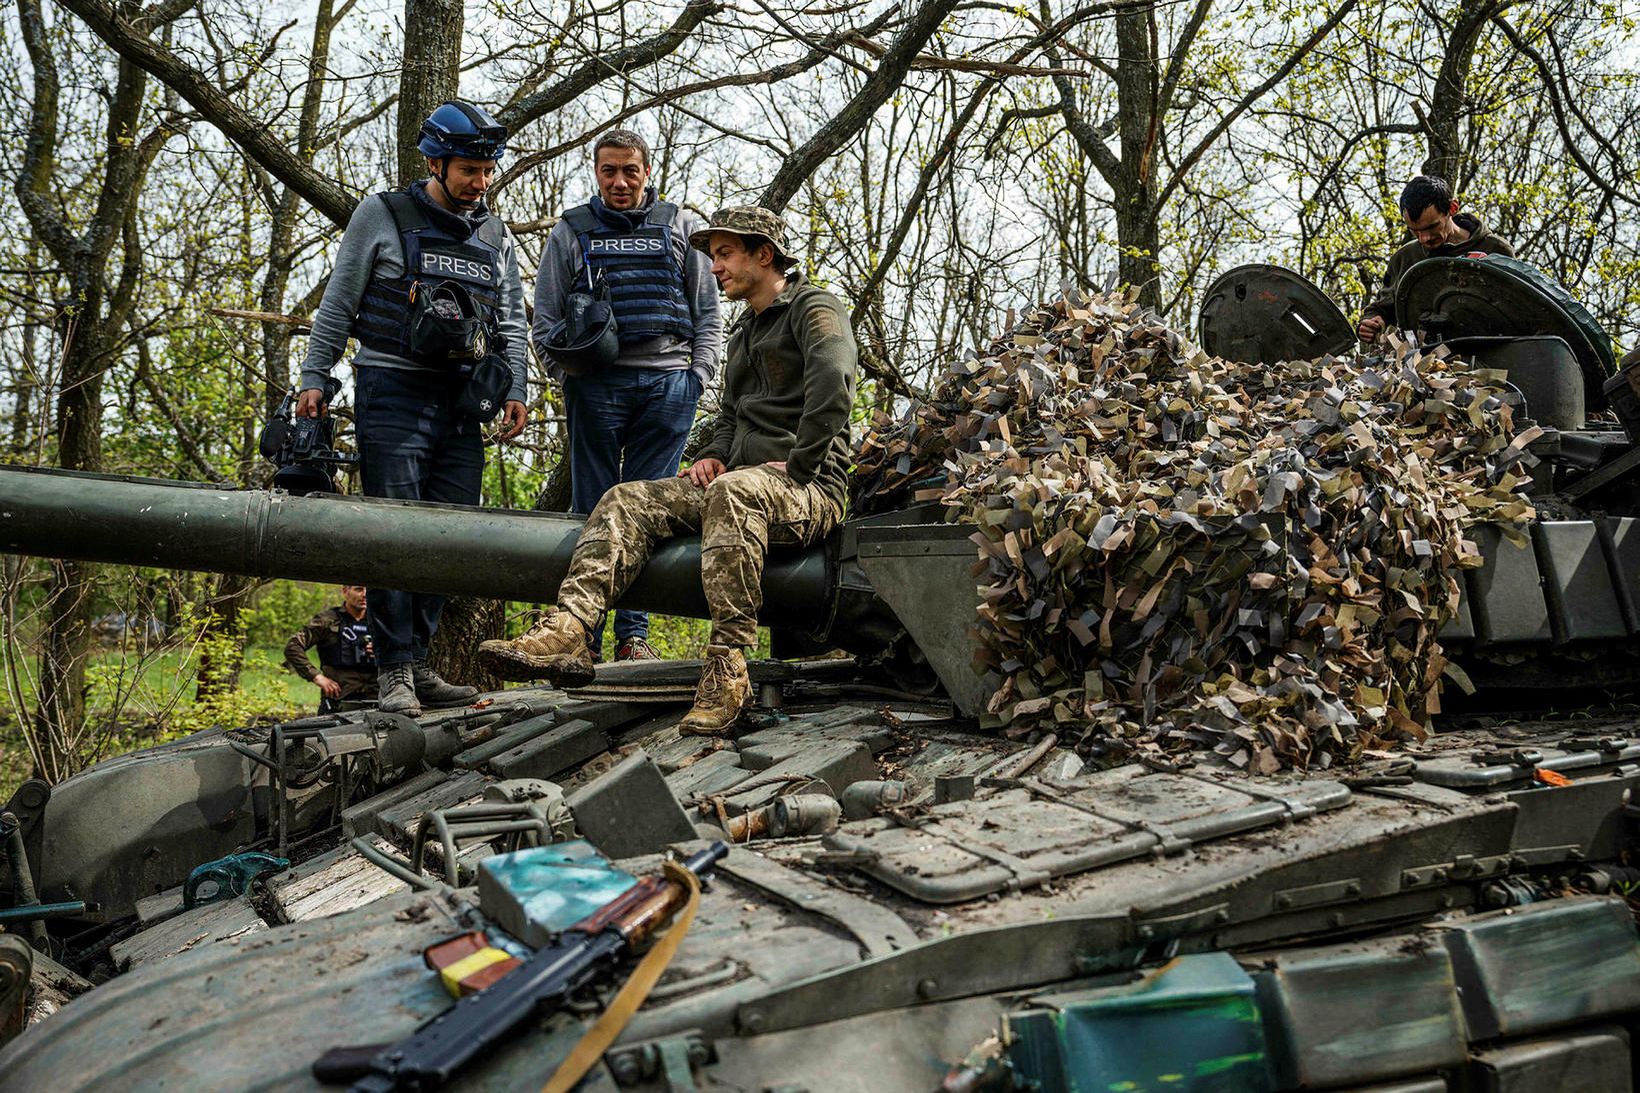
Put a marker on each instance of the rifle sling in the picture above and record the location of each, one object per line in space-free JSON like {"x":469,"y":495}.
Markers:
{"x":591,"y":1047}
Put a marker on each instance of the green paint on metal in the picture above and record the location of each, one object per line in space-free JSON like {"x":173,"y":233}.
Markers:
{"x":1207,"y":1067}
{"x":558,"y":885}
{"x":1192,"y":1024}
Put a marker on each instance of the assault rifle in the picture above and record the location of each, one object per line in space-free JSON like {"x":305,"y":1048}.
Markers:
{"x":581,"y":956}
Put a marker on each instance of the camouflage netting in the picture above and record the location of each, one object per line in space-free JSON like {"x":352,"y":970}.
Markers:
{"x":1177,"y":551}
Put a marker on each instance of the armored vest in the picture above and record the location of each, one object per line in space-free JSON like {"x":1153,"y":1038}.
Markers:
{"x":643,"y":268}
{"x":350,"y":648}
{"x":436,"y":260}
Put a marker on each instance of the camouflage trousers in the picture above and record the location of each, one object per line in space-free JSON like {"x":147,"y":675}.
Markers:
{"x":739,"y":516}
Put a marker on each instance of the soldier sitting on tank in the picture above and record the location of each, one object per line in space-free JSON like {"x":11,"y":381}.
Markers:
{"x":347,"y":662}
{"x":772,"y":473}
{"x":1438,"y":230}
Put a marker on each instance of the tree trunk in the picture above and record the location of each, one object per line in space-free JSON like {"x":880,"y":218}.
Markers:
{"x":66,"y":644}
{"x":64,"y":648}
{"x":1134,"y":196}
{"x":1449,"y":105}
{"x":431,"y":74}
{"x":1140,"y":241}
{"x":467,"y":620}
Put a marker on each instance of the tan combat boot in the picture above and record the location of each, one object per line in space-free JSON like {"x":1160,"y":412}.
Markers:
{"x":723,"y":692}
{"x":555,"y":649}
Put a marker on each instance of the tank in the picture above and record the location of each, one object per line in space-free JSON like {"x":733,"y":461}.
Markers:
{"x":910,"y":903}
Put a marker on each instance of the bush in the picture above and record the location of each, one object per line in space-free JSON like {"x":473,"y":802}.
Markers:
{"x":280,"y":608}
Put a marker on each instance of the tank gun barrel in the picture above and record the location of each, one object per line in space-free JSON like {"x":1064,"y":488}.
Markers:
{"x":415,"y":546}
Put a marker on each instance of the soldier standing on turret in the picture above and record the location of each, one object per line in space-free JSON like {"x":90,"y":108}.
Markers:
{"x":773,"y":473}
{"x":1438,"y":230}
{"x":347,"y":662}
{"x":427,"y":281}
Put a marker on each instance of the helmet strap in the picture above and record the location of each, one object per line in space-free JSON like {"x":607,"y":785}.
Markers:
{"x":443,"y":175}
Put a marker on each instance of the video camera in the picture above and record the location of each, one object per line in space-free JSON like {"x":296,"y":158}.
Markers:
{"x":303,"y":449}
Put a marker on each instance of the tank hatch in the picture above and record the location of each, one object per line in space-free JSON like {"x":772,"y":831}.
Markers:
{"x":1492,"y":295}
{"x":1261,"y":314}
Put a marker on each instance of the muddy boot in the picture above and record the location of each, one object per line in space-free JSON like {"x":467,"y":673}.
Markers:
{"x":636,"y":649}
{"x":723,"y":692}
{"x":435,"y":690}
{"x":396,"y":684}
{"x":555,"y":649}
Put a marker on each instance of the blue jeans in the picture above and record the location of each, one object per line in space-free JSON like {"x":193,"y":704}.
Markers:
{"x":413,"y":445}
{"x":626,"y":425}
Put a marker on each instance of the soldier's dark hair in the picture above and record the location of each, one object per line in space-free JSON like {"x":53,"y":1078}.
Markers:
{"x":751,"y":243}
{"x":1423,"y":192}
{"x":622,"y":138}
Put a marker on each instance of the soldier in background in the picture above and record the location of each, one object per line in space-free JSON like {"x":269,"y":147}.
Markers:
{"x":1438,"y":230}
{"x":347,"y":661}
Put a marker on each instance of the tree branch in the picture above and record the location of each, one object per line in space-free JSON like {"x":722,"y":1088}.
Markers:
{"x":671,"y":97}
{"x":39,"y":145}
{"x":857,"y":112}
{"x":595,"y":71}
{"x":1181,"y":51}
{"x":186,"y":441}
{"x":1558,"y":108}
{"x":249,"y":133}
{"x":1250,"y":98}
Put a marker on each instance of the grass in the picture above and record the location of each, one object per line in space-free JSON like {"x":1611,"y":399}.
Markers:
{"x":138,"y":699}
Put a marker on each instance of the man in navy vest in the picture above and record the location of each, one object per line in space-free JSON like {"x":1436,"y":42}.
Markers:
{"x":628,"y":421}
{"x":427,"y":281}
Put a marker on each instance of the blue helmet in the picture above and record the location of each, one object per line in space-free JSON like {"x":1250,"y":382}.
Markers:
{"x":461,"y":129}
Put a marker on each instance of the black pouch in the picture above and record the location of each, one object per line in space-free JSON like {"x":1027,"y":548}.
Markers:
{"x":486,"y":389}
{"x":445,"y":323}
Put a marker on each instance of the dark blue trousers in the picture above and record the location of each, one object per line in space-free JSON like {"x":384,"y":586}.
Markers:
{"x":626,"y":425}
{"x":413,"y":445}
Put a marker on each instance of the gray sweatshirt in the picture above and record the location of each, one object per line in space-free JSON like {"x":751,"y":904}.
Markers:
{"x":371,"y":245}
{"x":561,"y":265}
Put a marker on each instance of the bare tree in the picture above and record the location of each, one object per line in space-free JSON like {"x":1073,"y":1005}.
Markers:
{"x":1146,"y":172}
{"x":91,"y":317}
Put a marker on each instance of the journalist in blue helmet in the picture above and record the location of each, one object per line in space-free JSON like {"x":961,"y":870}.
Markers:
{"x":426,"y":280}
{"x":627,"y":318}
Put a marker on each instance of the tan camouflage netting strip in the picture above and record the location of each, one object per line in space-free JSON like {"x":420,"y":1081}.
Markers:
{"x":1178,"y":551}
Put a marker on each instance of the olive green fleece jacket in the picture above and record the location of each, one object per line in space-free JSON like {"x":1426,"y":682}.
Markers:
{"x":788,"y":389}
{"x":1480,"y":238}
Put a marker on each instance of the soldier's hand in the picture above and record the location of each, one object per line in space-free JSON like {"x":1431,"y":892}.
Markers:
{"x":512,"y":419}
{"x":1370,"y":328}
{"x":311,"y":403}
{"x":702,"y":471}
{"x":777,"y":464}
{"x":329,"y":686}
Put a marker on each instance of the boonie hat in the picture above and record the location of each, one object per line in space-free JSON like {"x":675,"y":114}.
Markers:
{"x":748,"y":221}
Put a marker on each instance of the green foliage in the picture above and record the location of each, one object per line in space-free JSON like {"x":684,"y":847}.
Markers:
{"x":280,"y":608}
{"x":138,"y":701}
